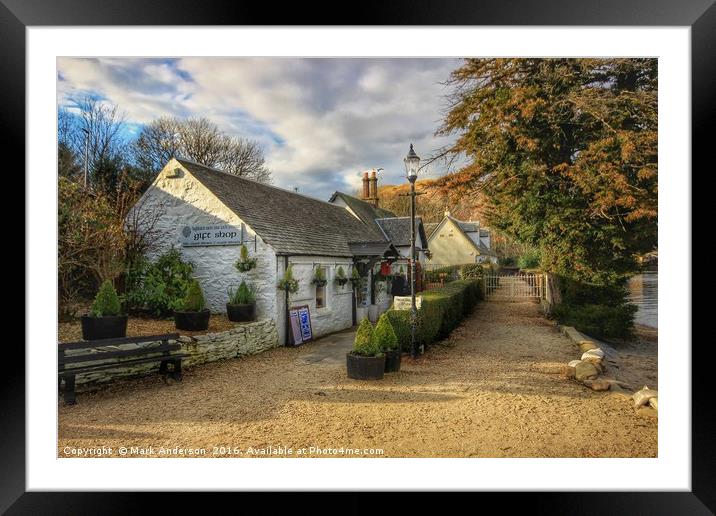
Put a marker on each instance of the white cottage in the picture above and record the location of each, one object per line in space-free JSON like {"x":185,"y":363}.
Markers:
{"x":207,"y":213}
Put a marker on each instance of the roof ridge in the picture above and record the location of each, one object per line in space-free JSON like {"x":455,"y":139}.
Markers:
{"x":259,"y":183}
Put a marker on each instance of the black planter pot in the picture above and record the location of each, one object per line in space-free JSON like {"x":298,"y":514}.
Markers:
{"x":192,"y":321}
{"x":241,"y":313}
{"x":108,"y":327}
{"x":392,"y":361}
{"x":365,"y":368}
{"x":342,"y":281}
{"x":320,"y":283}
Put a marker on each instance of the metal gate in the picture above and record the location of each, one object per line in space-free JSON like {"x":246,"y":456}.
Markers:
{"x":514,"y":287}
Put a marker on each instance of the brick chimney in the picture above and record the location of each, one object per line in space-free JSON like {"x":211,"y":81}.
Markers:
{"x":366,"y":186}
{"x":374,"y":188}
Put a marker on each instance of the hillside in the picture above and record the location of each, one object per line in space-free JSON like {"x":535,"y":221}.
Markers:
{"x":438,"y":195}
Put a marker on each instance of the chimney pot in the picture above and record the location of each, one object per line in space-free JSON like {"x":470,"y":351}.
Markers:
{"x":366,"y":185}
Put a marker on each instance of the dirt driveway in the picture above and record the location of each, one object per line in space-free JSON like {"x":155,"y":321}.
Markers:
{"x":488,"y":391}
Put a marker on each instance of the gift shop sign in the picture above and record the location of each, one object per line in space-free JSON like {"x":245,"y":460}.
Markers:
{"x":191,"y":236}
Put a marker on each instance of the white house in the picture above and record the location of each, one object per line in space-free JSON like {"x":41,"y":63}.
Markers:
{"x":207,"y":214}
{"x":456,"y":242}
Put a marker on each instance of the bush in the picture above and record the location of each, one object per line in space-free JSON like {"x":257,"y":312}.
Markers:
{"x":194,"y":299}
{"x":529,"y":260}
{"x":106,"y":303}
{"x":472,"y":271}
{"x":447,"y":273}
{"x":384,"y":336}
{"x":364,"y":344}
{"x":600,"y":321}
{"x":244,"y":295}
{"x":159,"y":287}
{"x":599,"y":310}
{"x":441,"y":311}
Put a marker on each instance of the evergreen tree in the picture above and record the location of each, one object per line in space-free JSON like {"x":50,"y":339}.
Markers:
{"x":565,"y":151}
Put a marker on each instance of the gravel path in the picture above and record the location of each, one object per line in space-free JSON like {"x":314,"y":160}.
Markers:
{"x":491,"y":390}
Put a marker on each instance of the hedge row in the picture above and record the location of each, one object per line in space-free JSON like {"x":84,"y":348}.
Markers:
{"x":441,"y":311}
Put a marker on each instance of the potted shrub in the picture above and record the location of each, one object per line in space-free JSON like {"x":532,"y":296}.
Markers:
{"x":105,"y":320}
{"x":245,"y":263}
{"x":193,"y":316}
{"x":386,"y":339}
{"x":287,"y":283}
{"x":366,"y":361}
{"x":355,"y":279}
{"x":319,"y":277}
{"x":341,"y":278}
{"x":242,"y":303}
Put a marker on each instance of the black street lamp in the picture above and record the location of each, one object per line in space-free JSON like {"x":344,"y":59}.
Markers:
{"x":412,"y":161}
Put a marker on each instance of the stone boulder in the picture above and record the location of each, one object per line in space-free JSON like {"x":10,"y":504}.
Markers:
{"x":642,"y":397}
{"x":647,"y":412}
{"x":585,"y":371}
{"x":598,"y":384}
{"x":593,"y":355}
{"x":574,"y":363}
{"x":586,"y":345}
{"x":568,"y":371}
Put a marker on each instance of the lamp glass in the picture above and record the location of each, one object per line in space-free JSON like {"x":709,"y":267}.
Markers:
{"x":412,"y":162}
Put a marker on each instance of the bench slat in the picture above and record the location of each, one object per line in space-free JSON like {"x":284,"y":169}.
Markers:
{"x":83,"y":344}
{"x":96,"y":357}
{"x":115,"y":365}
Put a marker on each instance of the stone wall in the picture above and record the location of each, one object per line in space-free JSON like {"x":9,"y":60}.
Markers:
{"x":244,"y":339}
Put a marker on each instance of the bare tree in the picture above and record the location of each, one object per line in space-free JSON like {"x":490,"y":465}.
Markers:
{"x":201,"y":140}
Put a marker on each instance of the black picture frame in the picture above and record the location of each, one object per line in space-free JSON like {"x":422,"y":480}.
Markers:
{"x":699,"y":15}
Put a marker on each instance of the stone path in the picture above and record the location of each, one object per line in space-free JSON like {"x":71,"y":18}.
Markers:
{"x":490,"y":390}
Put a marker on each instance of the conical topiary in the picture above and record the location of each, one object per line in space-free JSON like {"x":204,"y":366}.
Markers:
{"x":364,"y":344}
{"x":107,"y":301}
{"x":384,"y":337}
{"x":194,"y":299}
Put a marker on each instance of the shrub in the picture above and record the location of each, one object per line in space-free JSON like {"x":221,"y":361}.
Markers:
{"x":245,"y":263}
{"x":447,"y":273}
{"x":441,"y":311}
{"x":356,"y":279}
{"x":319,"y":276}
{"x":472,"y":271}
{"x":529,"y":260}
{"x":599,"y":310}
{"x":194,"y":299}
{"x":158,"y":287}
{"x":364,"y":344}
{"x":106,"y":302}
{"x":600,"y":321}
{"x":384,"y":336}
{"x":287,"y":283}
{"x":244,"y":295}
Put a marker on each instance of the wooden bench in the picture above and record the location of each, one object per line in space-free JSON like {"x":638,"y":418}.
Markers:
{"x":70,"y":365}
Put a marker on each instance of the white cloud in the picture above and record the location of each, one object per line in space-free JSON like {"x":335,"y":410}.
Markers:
{"x":321,"y":121}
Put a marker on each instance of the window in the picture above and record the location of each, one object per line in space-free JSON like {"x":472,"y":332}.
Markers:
{"x":321,"y":292}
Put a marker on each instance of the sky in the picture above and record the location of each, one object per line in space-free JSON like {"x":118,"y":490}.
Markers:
{"x":321,"y":122}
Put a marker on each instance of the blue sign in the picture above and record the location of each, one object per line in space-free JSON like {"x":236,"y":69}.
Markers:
{"x":301,"y":330}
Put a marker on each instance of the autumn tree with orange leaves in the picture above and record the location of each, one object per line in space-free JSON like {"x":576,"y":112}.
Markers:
{"x":565,"y":151}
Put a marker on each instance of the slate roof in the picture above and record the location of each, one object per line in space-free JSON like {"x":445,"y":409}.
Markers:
{"x":430,"y":227}
{"x":365,"y":211}
{"x":397,"y":229}
{"x":291,"y":223}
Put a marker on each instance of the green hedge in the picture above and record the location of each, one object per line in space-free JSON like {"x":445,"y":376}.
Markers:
{"x":601,"y":311}
{"x":441,"y":311}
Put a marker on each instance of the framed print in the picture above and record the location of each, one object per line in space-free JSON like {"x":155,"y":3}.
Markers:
{"x":200,"y":181}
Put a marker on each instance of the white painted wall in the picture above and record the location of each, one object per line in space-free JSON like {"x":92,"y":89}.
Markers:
{"x":186,"y":201}
{"x":337,"y":314}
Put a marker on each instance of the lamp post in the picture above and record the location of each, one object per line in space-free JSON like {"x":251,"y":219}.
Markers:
{"x":412,"y":161}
